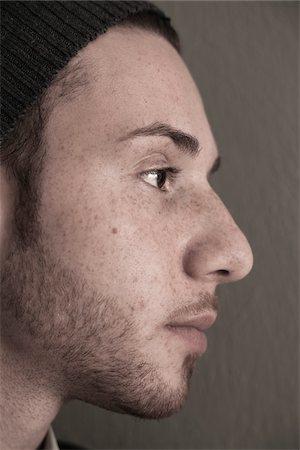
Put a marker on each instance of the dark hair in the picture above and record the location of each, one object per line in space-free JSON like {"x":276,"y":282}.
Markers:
{"x":23,"y":148}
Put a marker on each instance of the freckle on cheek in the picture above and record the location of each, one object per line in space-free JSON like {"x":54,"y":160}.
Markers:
{"x":114,"y":230}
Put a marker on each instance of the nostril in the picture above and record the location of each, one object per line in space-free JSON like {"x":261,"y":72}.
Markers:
{"x":223,"y":272}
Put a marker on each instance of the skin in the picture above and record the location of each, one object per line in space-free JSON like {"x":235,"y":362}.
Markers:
{"x":116,"y":258}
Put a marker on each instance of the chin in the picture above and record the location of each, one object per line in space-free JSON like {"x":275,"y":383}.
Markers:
{"x":153,"y":396}
{"x":154,"y":408}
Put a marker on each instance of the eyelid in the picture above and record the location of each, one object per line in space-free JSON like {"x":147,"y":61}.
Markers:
{"x":154,"y":159}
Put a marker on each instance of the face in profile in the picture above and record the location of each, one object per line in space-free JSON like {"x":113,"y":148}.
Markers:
{"x":132,"y":236}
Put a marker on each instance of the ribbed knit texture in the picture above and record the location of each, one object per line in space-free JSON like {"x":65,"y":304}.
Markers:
{"x":38,"y":38}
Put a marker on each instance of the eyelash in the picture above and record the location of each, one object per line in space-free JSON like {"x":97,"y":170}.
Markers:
{"x":171,"y":174}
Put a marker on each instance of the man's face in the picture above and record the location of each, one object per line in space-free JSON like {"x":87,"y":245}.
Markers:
{"x":123,"y":251}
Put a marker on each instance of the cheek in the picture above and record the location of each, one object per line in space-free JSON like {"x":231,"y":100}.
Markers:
{"x":106,"y":235}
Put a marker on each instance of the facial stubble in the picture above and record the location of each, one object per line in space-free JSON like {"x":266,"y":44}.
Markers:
{"x":83,"y":344}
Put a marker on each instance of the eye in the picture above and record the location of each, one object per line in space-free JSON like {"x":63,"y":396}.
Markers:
{"x":160,"y":178}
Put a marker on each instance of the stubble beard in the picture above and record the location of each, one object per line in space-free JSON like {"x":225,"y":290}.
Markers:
{"x":81,"y":340}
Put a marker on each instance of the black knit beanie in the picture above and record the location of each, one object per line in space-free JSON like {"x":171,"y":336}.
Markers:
{"x":38,"y":38}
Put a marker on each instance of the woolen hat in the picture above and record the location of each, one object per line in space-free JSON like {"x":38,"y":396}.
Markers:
{"x":38,"y":38}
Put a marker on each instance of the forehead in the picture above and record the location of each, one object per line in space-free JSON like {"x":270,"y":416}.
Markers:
{"x":140,"y":63}
{"x":136,"y":78}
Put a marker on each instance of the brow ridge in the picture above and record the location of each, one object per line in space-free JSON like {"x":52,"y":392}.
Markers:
{"x":184,"y":141}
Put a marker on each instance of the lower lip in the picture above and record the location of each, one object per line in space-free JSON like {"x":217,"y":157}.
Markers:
{"x":195,"y":338}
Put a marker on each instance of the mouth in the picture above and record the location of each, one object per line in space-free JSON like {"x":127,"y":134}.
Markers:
{"x":190,"y":330}
{"x":201,"y":322}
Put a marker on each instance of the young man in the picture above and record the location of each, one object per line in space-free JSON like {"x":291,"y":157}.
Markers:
{"x":113,"y":241}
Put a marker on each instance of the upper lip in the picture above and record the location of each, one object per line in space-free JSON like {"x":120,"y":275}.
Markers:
{"x":201,"y":322}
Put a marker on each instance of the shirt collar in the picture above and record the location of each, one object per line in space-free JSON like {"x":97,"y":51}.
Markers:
{"x":50,"y":442}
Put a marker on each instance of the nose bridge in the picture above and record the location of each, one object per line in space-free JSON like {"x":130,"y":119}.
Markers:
{"x":219,"y":248}
{"x":219,"y":217}
{"x":214,"y":215}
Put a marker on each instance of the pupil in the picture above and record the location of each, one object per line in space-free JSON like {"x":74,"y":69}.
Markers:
{"x":161,"y":179}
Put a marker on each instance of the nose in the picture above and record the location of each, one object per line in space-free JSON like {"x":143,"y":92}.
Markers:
{"x":217,"y":250}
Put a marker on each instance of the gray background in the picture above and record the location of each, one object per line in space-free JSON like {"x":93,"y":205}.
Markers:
{"x":245,"y":390}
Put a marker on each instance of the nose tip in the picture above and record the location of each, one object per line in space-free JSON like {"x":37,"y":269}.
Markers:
{"x":222,"y":257}
{"x":237,"y":264}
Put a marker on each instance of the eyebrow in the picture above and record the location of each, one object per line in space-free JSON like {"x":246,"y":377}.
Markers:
{"x":185,"y":142}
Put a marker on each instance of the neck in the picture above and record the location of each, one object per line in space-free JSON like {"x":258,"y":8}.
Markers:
{"x":29,"y":402}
